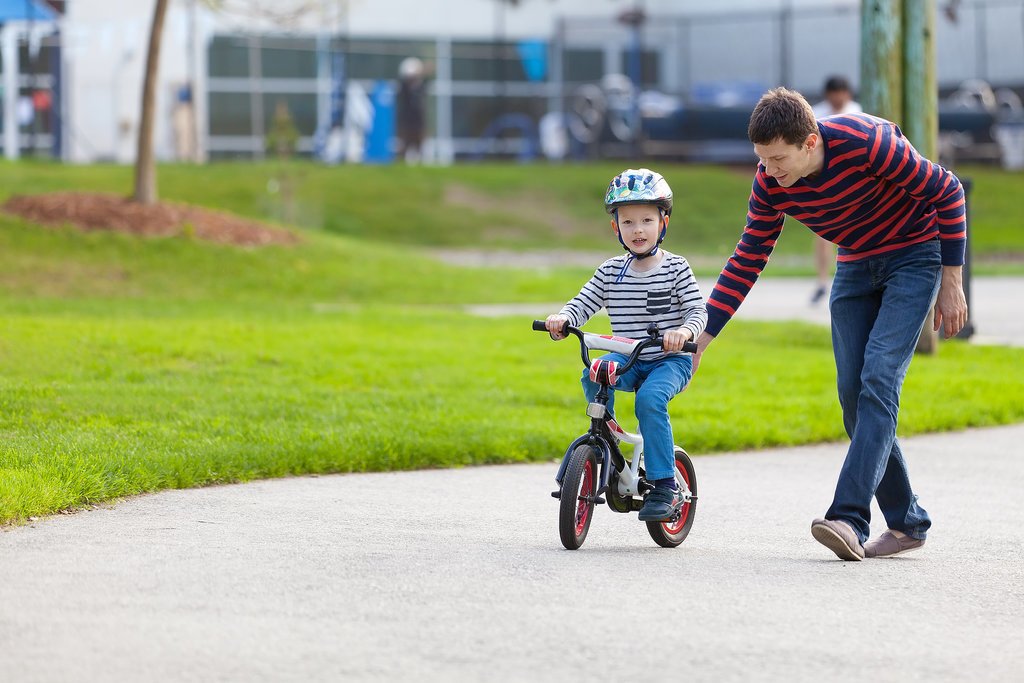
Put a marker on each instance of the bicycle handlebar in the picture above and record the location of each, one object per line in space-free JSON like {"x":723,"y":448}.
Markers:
{"x":654,"y":339}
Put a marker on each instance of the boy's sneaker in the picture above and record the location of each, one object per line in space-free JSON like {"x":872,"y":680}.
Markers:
{"x":889,"y":544}
{"x":839,"y":537}
{"x":660,"y":504}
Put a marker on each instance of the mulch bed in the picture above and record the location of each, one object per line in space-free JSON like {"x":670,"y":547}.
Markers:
{"x":96,"y":211}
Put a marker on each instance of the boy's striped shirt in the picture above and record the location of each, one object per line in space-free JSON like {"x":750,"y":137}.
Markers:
{"x":667,"y":295}
{"x":875,"y":194}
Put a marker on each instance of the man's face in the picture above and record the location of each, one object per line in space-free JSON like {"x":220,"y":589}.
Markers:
{"x":785,"y":162}
{"x":639,"y":225}
{"x":837,"y":99}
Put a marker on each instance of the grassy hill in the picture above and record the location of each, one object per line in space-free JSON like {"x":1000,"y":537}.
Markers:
{"x":500,"y":206}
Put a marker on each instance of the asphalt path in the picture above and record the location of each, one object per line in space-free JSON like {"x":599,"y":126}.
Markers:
{"x":995,"y":308}
{"x":459,"y":576}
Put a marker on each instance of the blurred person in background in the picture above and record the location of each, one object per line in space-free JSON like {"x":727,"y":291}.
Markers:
{"x":411,"y":109}
{"x":838,"y":100}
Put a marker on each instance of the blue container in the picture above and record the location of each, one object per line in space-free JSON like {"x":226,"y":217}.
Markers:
{"x":379,"y":139}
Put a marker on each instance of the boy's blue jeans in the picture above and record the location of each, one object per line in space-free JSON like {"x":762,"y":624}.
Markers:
{"x":655,"y":383}
{"x":878,"y":305}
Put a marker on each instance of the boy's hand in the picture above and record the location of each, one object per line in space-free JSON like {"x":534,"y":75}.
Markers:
{"x":554,"y":325}
{"x":674,"y":339}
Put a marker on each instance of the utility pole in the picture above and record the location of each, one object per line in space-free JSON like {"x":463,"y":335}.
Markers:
{"x":897,"y":81}
{"x":920,"y":89}
{"x":921,"y":104}
{"x":881,"y":58}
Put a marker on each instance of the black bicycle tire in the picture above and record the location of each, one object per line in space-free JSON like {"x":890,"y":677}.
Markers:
{"x":657,"y":529}
{"x":569,"y":531}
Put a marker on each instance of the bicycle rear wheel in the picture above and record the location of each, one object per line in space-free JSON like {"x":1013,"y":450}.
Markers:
{"x":576,"y":506}
{"x":671,"y":534}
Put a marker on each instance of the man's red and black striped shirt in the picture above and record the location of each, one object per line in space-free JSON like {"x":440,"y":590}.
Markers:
{"x":875,"y":194}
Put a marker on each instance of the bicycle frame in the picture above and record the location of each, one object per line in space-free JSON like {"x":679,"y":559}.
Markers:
{"x":630,"y":482}
{"x":605,"y":433}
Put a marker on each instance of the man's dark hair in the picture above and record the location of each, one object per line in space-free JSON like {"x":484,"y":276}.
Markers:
{"x":837,"y":84}
{"x":781,"y":113}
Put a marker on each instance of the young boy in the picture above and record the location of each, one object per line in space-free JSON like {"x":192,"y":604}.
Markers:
{"x":645,"y":285}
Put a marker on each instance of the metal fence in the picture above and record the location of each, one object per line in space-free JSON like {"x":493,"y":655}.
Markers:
{"x":720,"y":60}
{"x":489,"y":97}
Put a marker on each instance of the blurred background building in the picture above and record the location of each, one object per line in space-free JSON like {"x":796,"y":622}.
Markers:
{"x":504,"y":78}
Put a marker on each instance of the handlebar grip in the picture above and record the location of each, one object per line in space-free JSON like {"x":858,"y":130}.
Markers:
{"x":690,"y":347}
{"x":541,"y":326}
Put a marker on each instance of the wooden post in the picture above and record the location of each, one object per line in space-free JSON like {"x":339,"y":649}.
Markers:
{"x":921,"y":104}
{"x":881,"y":58}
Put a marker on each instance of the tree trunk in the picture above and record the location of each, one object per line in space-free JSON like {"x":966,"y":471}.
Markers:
{"x":145,"y":164}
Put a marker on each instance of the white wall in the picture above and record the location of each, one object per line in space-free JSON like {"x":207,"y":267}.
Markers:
{"x":105,"y":55}
{"x":474,"y":18}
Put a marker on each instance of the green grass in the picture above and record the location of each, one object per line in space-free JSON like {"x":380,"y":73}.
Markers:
{"x":131,"y":365}
{"x":45,"y":269}
{"x":503,"y":206}
{"x":95,"y":406}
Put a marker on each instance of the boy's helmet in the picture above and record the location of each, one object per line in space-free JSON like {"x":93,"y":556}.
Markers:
{"x":638,"y":186}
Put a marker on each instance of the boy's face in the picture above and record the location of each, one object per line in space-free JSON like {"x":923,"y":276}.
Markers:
{"x":785,"y":162}
{"x":639,"y":225}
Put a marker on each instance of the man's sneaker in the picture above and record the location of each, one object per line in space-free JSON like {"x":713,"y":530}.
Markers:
{"x":889,"y":544}
{"x":660,"y":504}
{"x":839,"y":537}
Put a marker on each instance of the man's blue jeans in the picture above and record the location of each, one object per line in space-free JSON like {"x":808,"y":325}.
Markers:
{"x":655,"y":383}
{"x":878,"y":306}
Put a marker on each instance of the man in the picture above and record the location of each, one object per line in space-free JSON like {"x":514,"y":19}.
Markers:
{"x":838,"y":100}
{"x":899,"y":222}
{"x":411,"y":109}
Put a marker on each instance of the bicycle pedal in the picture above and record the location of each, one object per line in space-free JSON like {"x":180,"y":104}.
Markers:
{"x":591,"y":499}
{"x":556,"y":494}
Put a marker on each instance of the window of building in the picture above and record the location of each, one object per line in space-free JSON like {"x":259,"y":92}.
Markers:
{"x":479,"y":61}
{"x":288,"y":58}
{"x":582,"y":66}
{"x":230,"y":113}
{"x":228,"y":57}
{"x":650,"y":66}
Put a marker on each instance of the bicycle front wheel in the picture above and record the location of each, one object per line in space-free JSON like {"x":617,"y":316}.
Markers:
{"x":576,"y":505}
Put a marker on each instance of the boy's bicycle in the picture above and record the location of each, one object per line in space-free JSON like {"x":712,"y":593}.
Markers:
{"x":593,"y":465}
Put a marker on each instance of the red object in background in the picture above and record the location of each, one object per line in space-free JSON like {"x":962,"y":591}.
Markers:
{"x":42,"y":100}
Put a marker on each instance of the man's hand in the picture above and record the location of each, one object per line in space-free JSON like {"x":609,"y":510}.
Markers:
{"x":554,"y":325}
{"x":702,"y":343}
{"x":951,"y":305}
{"x":674,"y":339}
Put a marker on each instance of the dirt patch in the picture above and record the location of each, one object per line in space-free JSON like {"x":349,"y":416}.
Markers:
{"x":97,"y":211}
{"x":537,"y":211}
